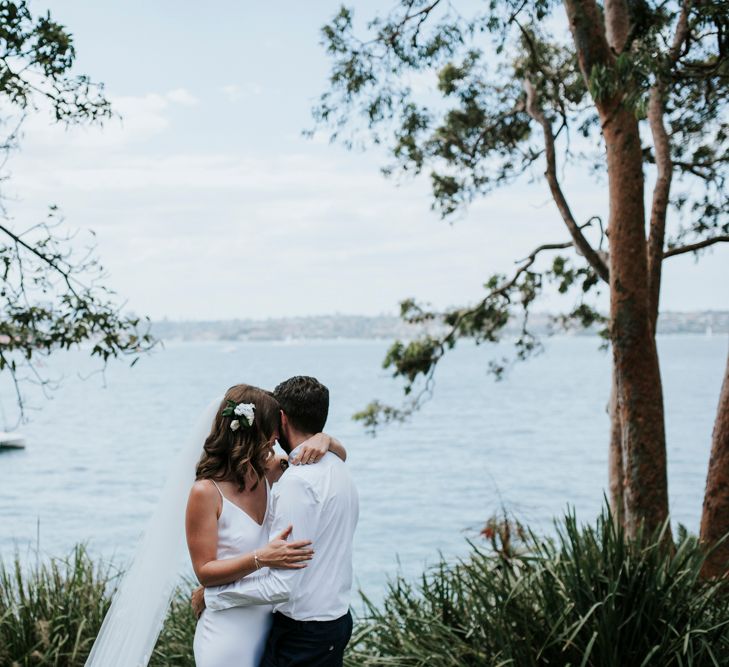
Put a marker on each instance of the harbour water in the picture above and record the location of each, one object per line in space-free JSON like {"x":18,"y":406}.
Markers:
{"x":98,"y":451}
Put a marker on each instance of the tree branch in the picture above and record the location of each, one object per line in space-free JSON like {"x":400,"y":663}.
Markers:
{"x":518,"y":108}
{"x":693,"y":247}
{"x":436,"y":346}
{"x":536,"y":60}
{"x":588,"y":33}
{"x":617,"y":24}
{"x":422,"y":14}
{"x":661,"y":192}
{"x":65,"y":274}
{"x":664,"y":166}
{"x":503,"y":289}
{"x":682,"y":33}
{"x":580,"y":242}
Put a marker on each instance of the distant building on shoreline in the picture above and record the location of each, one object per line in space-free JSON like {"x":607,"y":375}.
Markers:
{"x":388,"y":327}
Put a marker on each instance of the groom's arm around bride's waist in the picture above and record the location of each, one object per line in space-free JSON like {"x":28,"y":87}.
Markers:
{"x":296,"y":505}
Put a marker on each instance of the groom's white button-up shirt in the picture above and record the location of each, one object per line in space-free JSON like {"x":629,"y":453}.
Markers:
{"x":321,"y":503}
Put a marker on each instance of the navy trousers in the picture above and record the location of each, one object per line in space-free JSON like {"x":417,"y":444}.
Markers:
{"x":307,"y":643}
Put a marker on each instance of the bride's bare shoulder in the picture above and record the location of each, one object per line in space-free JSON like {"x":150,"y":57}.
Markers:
{"x":203,"y":491}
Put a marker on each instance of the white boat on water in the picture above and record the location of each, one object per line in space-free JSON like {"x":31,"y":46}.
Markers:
{"x":11,"y":440}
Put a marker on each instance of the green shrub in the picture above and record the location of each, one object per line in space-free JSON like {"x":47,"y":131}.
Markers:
{"x":587,"y":598}
{"x":51,"y":612}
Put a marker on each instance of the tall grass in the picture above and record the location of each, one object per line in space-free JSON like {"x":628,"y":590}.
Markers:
{"x":50,"y":613}
{"x":587,"y":598}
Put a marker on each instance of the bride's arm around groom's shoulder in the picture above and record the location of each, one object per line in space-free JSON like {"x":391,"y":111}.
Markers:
{"x":312,"y":450}
{"x":309,"y":451}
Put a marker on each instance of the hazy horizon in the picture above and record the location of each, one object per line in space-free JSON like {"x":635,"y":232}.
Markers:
{"x":394,"y":313}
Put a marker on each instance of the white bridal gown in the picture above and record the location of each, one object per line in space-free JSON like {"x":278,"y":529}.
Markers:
{"x":235,"y":637}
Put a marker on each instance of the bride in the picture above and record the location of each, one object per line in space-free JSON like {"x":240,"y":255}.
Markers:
{"x":229,"y":517}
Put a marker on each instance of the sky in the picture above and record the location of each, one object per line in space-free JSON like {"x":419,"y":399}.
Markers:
{"x":208,"y":203}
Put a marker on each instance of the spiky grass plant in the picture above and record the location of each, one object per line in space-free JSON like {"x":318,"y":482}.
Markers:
{"x":50,"y":613}
{"x":589,"y":597}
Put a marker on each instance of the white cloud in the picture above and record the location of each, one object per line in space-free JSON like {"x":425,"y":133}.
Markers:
{"x":137,"y":119}
{"x":235,"y":92}
{"x":232,"y":91}
{"x":311,"y":229}
{"x":182,"y":96}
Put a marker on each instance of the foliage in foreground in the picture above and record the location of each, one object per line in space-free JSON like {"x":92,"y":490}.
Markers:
{"x":51,"y":612}
{"x":587,"y":598}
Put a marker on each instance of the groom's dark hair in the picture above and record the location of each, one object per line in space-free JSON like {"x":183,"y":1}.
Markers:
{"x":305,"y":401}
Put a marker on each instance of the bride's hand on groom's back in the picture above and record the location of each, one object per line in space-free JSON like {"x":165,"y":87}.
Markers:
{"x":283,"y":555}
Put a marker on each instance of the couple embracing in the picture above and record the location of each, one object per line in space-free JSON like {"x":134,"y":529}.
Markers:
{"x":245,"y":496}
{"x":270,"y":539}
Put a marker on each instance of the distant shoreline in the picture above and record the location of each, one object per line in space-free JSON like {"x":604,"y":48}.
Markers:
{"x":305,"y":341}
{"x":390,"y":327}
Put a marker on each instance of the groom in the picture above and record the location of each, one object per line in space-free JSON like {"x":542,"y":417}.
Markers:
{"x":312,"y":623}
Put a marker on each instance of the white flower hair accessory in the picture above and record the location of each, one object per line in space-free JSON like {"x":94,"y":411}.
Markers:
{"x":244,"y":411}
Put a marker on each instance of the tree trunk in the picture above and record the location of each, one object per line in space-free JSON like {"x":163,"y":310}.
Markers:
{"x":615,"y":457}
{"x":635,"y":357}
{"x":633,"y":343}
{"x":715,"y":516}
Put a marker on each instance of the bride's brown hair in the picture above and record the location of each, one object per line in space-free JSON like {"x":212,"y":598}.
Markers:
{"x":228,"y":455}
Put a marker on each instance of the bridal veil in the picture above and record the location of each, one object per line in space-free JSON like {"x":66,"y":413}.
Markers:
{"x":139,"y":606}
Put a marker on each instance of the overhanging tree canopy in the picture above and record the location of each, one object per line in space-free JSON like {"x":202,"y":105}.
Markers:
{"x":52,"y":294}
{"x":533,"y":86}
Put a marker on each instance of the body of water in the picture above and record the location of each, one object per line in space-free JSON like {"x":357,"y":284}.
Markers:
{"x":98,"y":452}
